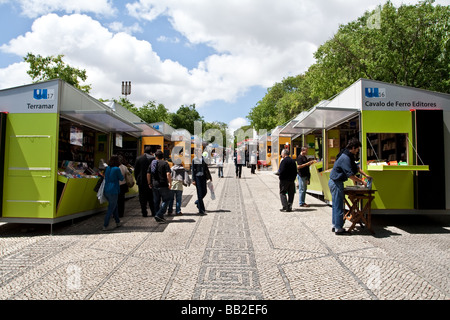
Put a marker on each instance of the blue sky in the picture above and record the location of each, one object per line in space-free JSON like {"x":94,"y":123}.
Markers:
{"x":220,"y":55}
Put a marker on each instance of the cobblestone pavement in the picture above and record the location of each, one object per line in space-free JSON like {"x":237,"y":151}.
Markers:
{"x":244,"y":248}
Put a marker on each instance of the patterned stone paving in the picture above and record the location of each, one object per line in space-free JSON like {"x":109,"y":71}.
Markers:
{"x":244,"y":249}
{"x":228,"y":266}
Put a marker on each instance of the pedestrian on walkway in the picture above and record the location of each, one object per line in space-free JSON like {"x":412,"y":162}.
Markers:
{"x":344,"y":168}
{"x":253,"y":161}
{"x":123,"y":186}
{"x":112,"y":190}
{"x":200,"y":175}
{"x":303,"y":175}
{"x":287,"y":175}
{"x":140,"y":172}
{"x":159,"y":179}
{"x":238,"y":162}
{"x":180,"y":178}
{"x":219,"y":161}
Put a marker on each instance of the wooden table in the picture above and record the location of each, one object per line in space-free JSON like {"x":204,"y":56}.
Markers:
{"x":359,"y":201}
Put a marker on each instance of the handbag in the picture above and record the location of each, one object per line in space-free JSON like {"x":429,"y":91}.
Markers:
{"x":211,"y":190}
{"x":129,"y":179}
{"x":100,"y":193}
{"x":99,"y":182}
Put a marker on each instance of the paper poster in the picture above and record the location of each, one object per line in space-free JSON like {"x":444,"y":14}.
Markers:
{"x":76,"y":136}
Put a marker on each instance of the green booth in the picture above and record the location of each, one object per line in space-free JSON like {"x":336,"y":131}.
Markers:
{"x":404,"y":132}
{"x":54,"y":139}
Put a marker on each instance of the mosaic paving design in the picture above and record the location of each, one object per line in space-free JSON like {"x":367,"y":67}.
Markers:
{"x":228,"y":269}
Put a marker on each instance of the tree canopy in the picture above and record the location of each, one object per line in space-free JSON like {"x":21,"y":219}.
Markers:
{"x":408,"y":45}
{"x":49,"y":68}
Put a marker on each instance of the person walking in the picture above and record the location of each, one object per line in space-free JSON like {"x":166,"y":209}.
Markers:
{"x":122,"y":186}
{"x":180,"y":178}
{"x":238,"y":162}
{"x":140,"y":172}
{"x":219,"y":162}
{"x":112,"y":190}
{"x":159,"y":179}
{"x":253,"y":162}
{"x":344,"y":168}
{"x":287,"y":175}
{"x":303,"y":175}
{"x":200,"y":175}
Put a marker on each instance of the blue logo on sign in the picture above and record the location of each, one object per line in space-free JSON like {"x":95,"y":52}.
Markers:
{"x":375,"y":92}
{"x":40,"y":94}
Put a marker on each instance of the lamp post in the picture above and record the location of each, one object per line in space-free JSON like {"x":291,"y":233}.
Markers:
{"x":126,"y":88}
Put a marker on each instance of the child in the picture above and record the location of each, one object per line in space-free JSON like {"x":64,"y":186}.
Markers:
{"x":180,"y":178}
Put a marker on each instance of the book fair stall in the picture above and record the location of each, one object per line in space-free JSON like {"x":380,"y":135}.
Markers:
{"x":403,"y":132}
{"x":55,"y":140}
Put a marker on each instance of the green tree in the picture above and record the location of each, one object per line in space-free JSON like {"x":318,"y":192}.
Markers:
{"x":409,"y":47}
{"x":184,"y":118}
{"x":283,"y":101}
{"x":49,"y":68}
{"x":150,"y":112}
{"x":222,"y":127}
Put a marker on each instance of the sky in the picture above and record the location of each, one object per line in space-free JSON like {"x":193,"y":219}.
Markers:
{"x":221,"y":56}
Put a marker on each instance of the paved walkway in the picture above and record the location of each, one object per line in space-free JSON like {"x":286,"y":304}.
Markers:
{"x":244,"y":248}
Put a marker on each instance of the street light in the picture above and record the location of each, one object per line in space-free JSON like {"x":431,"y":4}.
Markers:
{"x":126,"y":88}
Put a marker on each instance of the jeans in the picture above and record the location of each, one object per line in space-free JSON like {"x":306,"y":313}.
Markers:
{"x":337,"y":197}
{"x":177,"y":194}
{"x":220,"y":171}
{"x":113,"y":208}
{"x":200,"y":184}
{"x":302,"y":186}
{"x":162,"y":198}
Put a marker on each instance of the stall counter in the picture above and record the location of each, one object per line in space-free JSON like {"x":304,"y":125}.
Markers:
{"x":78,"y":195}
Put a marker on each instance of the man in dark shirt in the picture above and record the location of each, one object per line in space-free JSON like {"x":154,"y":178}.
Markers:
{"x":200,"y":176}
{"x":287,"y":175}
{"x":159,"y":178}
{"x":344,"y":168}
{"x":140,"y":172}
{"x":304,"y":175}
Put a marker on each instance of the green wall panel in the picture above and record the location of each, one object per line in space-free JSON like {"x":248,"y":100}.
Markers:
{"x":30,"y":166}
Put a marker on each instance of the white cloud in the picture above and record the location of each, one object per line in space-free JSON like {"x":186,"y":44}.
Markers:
{"x":236,"y":124}
{"x":109,"y":58}
{"x":36,"y":8}
{"x":256,"y":43}
{"x":14,"y":75}
{"x":167,"y":39}
{"x":119,"y":27}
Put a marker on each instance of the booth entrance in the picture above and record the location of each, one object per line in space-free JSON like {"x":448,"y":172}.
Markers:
{"x":430,"y":144}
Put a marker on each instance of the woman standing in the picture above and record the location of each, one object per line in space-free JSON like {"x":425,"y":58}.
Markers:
{"x":112,"y":190}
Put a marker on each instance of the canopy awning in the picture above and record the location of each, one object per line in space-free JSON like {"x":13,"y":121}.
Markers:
{"x":325,"y":117}
{"x":102,"y":120}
